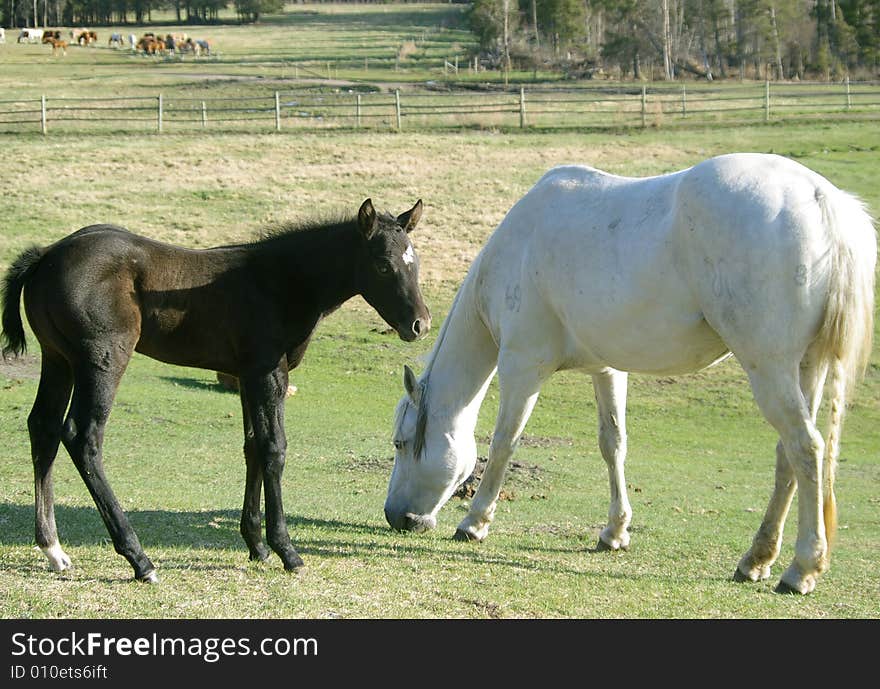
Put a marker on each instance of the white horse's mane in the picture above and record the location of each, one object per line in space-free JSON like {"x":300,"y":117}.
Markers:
{"x":428,"y":360}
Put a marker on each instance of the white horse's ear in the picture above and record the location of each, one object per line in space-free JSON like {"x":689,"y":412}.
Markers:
{"x":411,"y":385}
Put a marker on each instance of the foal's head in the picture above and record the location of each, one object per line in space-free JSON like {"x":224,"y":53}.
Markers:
{"x":389,"y":275}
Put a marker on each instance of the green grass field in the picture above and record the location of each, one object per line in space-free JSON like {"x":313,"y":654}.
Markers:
{"x":700,"y":464}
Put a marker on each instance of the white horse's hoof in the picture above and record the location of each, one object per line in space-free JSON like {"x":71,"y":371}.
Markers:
{"x":793,"y":581}
{"x":749,"y":569}
{"x":470,"y":533}
{"x":603,"y":547}
{"x":609,"y":541}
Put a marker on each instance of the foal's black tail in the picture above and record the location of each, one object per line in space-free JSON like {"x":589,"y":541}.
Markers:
{"x":13,"y":283}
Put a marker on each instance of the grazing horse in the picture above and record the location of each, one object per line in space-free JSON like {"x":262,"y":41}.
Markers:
{"x":30,"y":35}
{"x":748,"y":254}
{"x":115,"y":40}
{"x":102,"y":293}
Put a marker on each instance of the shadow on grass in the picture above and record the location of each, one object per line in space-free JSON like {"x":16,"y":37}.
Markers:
{"x":218,"y":530}
{"x":197,"y":384}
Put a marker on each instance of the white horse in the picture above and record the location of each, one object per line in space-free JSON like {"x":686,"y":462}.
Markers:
{"x":748,"y":254}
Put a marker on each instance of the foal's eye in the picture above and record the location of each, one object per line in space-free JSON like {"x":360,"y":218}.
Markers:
{"x":398,"y":444}
{"x":383,"y":269}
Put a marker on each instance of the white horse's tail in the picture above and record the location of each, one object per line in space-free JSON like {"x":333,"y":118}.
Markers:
{"x":845,"y":338}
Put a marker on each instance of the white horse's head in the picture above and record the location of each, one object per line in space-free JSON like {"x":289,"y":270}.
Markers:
{"x":431,"y":459}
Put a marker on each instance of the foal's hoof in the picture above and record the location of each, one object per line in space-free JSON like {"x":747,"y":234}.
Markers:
{"x":293,"y":562}
{"x":462,"y":535}
{"x":260,"y":555}
{"x":149,"y":578}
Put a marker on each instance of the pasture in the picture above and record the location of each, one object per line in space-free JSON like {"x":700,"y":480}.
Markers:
{"x":373,"y":66}
{"x":700,"y":462}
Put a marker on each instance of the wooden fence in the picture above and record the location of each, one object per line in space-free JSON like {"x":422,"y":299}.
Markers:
{"x":618,"y":106}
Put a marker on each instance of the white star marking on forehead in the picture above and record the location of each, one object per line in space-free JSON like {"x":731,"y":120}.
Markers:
{"x":409,"y":255}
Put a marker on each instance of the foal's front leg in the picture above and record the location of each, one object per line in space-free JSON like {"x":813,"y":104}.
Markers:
{"x":264,"y":398}
{"x":251,"y":524}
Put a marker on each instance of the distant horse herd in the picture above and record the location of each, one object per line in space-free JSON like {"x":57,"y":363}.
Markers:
{"x":149,"y":44}
{"x":170,"y":44}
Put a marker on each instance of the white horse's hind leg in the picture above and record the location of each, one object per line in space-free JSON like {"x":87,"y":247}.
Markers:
{"x":610,"y":389}
{"x":755,"y":564}
{"x":784,"y":405}
{"x":519,"y":384}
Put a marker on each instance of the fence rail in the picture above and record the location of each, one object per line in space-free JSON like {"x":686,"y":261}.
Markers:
{"x":618,"y":106}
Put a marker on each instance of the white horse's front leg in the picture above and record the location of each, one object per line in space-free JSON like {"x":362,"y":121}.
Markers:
{"x":610,"y":389}
{"x":519,"y":383}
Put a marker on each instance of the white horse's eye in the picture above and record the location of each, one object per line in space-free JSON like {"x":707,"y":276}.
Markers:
{"x":398,"y":444}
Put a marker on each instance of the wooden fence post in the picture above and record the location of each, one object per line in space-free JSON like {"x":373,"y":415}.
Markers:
{"x":204,"y":114}
{"x":397,"y":106}
{"x":159,"y":114}
{"x":277,"y":112}
{"x":684,"y":103}
{"x":644,"y":105}
{"x":357,"y":110}
{"x":767,"y":100}
{"x":43,"y":127}
{"x":848,"y":95}
{"x":522,"y":107}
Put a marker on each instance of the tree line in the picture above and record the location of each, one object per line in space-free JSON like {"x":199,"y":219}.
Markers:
{"x":663,"y":39}
{"x":49,"y":13}
{"x":671,"y":39}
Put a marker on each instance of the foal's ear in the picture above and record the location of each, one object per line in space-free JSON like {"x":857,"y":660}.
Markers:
{"x":410,"y":219}
{"x":411,"y":385}
{"x":367,"y":219}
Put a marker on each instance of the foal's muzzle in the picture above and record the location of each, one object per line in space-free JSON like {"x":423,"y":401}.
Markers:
{"x":417,"y":329}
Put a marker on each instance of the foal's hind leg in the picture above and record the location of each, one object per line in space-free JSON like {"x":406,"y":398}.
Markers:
{"x":44,"y":425}
{"x":610,"y":389}
{"x":780,"y":398}
{"x":251,"y":522}
{"x":755,"y":564}
{"x":93,"y":393}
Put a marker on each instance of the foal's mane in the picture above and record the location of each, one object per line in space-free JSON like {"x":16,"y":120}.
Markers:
{"x":299,"y":228}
